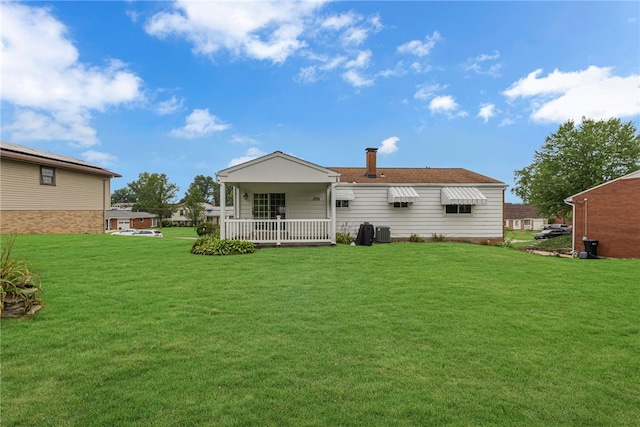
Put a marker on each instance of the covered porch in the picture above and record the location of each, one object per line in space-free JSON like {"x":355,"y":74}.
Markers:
{"x":279,"y":200}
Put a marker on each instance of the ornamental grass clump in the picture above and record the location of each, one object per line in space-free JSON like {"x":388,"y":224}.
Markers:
{"x":210,"y":245}
{"x":19,"y":287}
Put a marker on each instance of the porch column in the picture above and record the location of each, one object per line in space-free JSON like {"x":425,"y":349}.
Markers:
{"x":223,"y":211}
{"x":333,"y":213}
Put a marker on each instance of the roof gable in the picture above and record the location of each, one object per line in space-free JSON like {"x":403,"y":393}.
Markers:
{"x":277,"y":167}
{"x":632,"y":175}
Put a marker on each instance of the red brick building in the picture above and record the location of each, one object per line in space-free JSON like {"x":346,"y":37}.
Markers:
{"x":522,"y":217}
{"x":610,"y":214}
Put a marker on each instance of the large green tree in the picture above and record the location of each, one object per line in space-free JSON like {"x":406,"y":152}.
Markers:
{"x":123,"y":195}
{"x":193,"y":205}
{"x":154,"y":194}
{"x":576,"y":158}
{"x":210,"y":189}
{"x":207,"y":187}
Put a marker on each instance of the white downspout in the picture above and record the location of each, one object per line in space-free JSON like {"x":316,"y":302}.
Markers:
{"x":573,"y":229}
{"x":333,"y":213}
{"x":223,"y":210}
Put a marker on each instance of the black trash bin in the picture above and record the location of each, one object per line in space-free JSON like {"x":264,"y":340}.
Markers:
{"x":365,"y":235}
{"x":591,"y":248}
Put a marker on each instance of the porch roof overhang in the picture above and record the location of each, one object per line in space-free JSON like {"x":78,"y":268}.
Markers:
{"x":402,"y":195}
{"x":462,"y":196}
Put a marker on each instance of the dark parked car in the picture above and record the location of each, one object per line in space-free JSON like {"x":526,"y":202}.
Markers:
{"x":552,"y":232}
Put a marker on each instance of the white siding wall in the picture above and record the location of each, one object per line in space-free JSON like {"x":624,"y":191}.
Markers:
{"x":424,"y":217}
{"x":299,"y":199}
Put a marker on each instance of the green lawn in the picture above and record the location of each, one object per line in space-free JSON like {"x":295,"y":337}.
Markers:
{"x":137,"y":331}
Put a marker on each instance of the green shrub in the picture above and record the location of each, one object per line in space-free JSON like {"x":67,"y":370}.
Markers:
{"x":415,"y":238}
{"x":507,"y":243}
{"x":210,"y":245}
{"x":208,"y":229}
{"x":19,"y":288}
{"x":344,"y":238}
{"x":167,"y":223}
{"x":436,"y":237}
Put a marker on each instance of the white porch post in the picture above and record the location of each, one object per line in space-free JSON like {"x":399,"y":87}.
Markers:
{"x":223,"y":211}
{"x":333,"y":214}
{"x":278,"y":225}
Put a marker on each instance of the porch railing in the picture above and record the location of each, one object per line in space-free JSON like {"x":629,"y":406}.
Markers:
{"x":279,"y":230}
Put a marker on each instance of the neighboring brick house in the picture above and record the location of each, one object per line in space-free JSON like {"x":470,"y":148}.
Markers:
{"x":522,"y":217}
{"x":48,"y":193}
{"x":610,"y":214}
{"x":124,"y":219}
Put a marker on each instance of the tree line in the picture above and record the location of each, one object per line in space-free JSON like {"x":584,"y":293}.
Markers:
{"x":576,"y":158}
{"x":153,"y":193}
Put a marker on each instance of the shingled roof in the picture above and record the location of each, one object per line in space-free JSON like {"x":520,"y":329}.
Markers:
{"x":41,"y":157}
{"x":520,"y":211}
{"x":414,"y":176}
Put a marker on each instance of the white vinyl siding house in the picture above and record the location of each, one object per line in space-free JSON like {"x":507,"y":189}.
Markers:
{"x":425,"y":216}
{"x":281,"y":199}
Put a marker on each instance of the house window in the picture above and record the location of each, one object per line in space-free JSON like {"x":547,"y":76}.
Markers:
{"x":47,"y":175}
{"x":269,"y":206}
{"x":458,"y":209}
{"x":342,"y":203}
{"x":181,"y":212}
{"x":401,"y":204}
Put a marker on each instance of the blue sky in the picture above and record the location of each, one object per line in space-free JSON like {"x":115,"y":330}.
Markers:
{"x":190,"y":88}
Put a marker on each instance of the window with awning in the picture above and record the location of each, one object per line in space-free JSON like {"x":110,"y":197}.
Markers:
{"x":462,"y":196}
{"x":402,"y":195}
{"x":344,"y":194}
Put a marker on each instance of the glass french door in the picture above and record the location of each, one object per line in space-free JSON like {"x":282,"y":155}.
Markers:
{"x":269,"y":205}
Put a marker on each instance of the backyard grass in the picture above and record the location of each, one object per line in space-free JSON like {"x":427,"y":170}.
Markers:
{"x":137,"y":331}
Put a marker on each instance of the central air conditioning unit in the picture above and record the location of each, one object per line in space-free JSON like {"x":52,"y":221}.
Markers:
{"x":383,"y":234}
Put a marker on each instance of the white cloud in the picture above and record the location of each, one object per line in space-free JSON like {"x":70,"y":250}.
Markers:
{"x":355,"y":36}
{"x":593,"y":93}
{"x":243,"y":140}
{"x":42,"y":77}
{"x":99,"y":158}
{"x":169,"y":106}
{"x":356,"y":79}
{"x":487,"y":111}
{"x":265,"y":30}
{"x":307,"y":75}
{"x":479,"y":64}
{"x":425,"y":91}
{"x":446,"y":105}
{"x":389,"y":145}
{"x":419,"y":48}
{"x":361,"y":61}
{"x":251,"y":153}
{"x":337,"y":22}
{"x":198,"y":124}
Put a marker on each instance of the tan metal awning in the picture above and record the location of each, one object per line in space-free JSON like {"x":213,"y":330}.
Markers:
{"x":462,"y":196}
{"x":344,"y":194}
{"x":402,"y":195}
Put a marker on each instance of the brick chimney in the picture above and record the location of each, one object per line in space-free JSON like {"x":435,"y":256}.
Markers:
{"x":371,"y":163}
